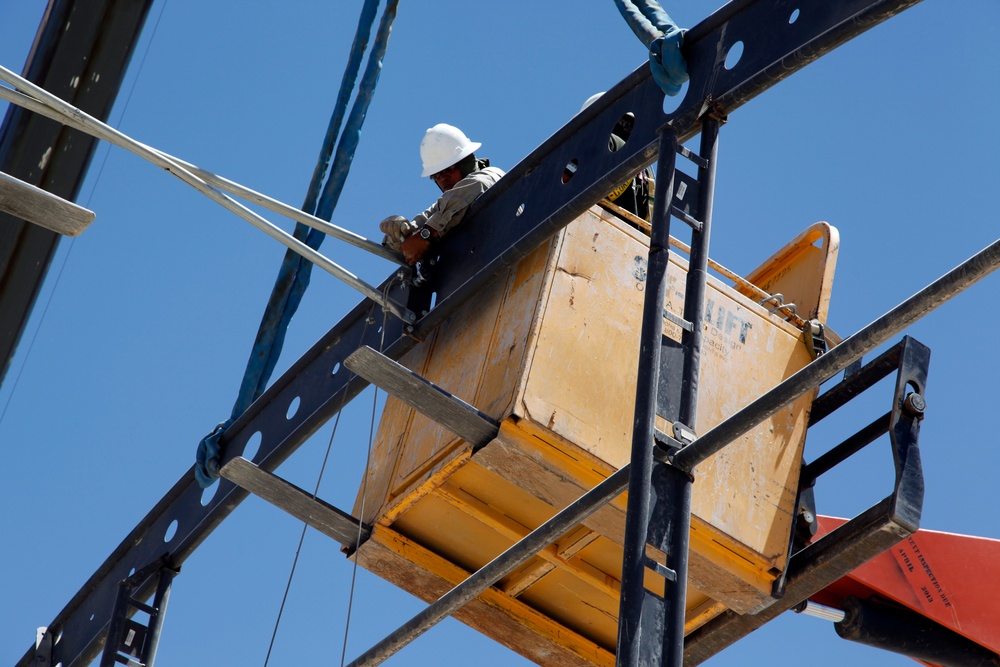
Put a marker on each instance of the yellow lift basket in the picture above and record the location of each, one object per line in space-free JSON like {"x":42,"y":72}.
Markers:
{"x":550,"y":351}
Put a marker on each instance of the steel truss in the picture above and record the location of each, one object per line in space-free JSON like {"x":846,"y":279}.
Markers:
{"x":523,"y":210}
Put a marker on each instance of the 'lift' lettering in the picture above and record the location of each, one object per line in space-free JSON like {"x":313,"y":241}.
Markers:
{"x":726,"y":321}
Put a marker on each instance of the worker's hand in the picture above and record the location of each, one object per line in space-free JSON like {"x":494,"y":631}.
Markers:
{"x":396,"y":228}
{"x":414,"y":247}
{"x":667,"y":63}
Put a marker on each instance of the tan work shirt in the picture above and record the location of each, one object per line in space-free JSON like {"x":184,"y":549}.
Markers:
{"x":450,"y":207}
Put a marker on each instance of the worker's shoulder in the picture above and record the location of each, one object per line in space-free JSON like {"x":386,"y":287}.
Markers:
{"x":488,"y":174}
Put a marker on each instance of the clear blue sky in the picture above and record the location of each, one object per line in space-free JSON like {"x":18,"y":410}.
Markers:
{"x":138,"y":342}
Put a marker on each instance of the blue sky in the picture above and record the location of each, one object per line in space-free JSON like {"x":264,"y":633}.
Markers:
{"x":140,"y":336}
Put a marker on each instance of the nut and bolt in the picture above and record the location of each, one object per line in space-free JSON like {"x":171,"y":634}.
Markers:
{"x":914,"y":404}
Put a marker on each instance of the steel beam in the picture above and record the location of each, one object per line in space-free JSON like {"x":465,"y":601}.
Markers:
{"x":511,"y":219}
{"x":304,"y":506}
{"x":76,"y":40}
{"x":640,"y":628}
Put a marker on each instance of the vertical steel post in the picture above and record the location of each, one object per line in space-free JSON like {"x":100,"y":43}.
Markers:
{"x":697,"y":278}
{"x":124,"y":602}
{"x":119,"y":616}
{"x":670,"y":517}
{"x":637,"y":511}
{"x":160,"y":600}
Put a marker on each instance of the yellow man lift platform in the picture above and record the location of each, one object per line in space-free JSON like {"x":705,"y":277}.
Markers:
{"x":549,"y":355}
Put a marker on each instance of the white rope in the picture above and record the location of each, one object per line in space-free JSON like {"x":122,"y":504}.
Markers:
{"x":42,"y":102}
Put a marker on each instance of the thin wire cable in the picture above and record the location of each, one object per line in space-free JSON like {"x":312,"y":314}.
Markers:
{"x":34,"y":335}
{"x":364,"y":487}
{"x":72,"y":240}
{"x":315,"y":495}
{"x":302,"y":537}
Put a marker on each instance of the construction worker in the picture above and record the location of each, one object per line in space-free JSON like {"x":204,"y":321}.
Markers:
{"x":634,"y":195}
{"x":450,"y":161}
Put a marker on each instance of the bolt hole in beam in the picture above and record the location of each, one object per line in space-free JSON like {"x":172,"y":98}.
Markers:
{"x":672,"y":104}
{"x":293,"y":407}
{"x":569,"y":171}
{"x":336,"y":369}
{"x":519,"y":211}
{"x":794,"y":16}
{"x":734,"y":54}
{"x":171,"y":531}
{"x":208,"y":494}
{"x":621,"y":131}
{"x":253,"y":444}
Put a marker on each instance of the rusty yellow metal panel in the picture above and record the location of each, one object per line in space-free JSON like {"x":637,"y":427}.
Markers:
{"x":503,"y":367}
{"x":582,"y":374}
{"x":802,"y":271}
{"x":551,"y":351}
{"x":491,"y":333}
{"x":514,"y":624}
{"x":582,"y":365}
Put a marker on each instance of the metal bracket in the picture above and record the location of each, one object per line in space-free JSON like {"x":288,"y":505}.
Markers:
{"x":128,"y":641}
{"x":453,"y":413}
{"x":679,"y":321}
{"x":815,"y":333}
{"x":43,"y":647}
{"x":661,"y":569}
{"x":870,"y":533}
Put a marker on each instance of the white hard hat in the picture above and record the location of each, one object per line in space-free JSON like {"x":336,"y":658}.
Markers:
{"x":442,"y":146}
{"x":590,"y":100}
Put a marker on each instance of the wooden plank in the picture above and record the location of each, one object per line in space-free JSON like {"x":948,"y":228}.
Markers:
{"x":42,"y":208}
{"x":322,"y":516}
{"x":427,"y":398}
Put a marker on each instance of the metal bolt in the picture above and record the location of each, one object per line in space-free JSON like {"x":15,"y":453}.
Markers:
{"x":914,"y":404}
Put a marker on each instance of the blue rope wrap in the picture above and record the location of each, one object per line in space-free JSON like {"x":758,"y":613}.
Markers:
{"x":660,"y":34}
{"x":294,"y":274}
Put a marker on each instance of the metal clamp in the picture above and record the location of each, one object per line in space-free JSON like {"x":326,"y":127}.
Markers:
{"x":816,"y":338}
